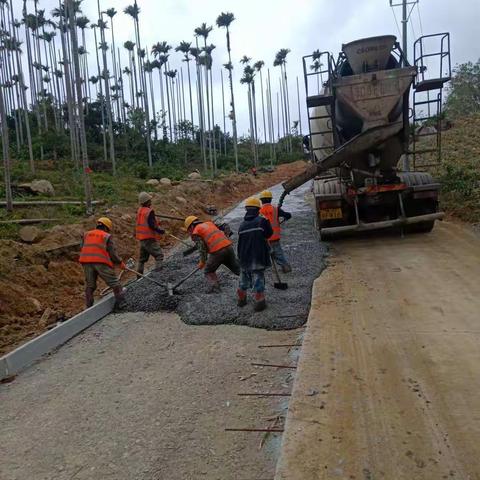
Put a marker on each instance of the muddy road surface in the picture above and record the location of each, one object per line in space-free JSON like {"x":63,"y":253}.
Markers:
{"x":391,"y":353}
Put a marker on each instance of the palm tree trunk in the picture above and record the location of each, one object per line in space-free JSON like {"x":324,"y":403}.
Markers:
{"x":116,"y":73}
{"x":122,"y":91}
{"x":213,"y":126}
{"x":250,"y":115}
{"x":254,"y":108}
{"x":154,"y":110}
{"x":299,"y":112}
{"x":190,"y":95}
{"x":6,"y":154}
{"x":232,"y":102}
{"x":70,"y":96}
{"x":263,"y":108}
{"x":287,"y":109}
{"x":102,"y":99}
{"x":105,"y":76}
{"x":145,"y":93}
{"x":21,"y":81}
{"x":182,"y":85}
{"x":224,"y":118}
{"x":162,"y":100}
{"x":168,"y":104}
{"x":270,"y":117}
{"x":81,"y":123}
{"x":201,"y":118}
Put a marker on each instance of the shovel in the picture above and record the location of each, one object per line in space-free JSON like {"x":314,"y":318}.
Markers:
{"x":278,"y":284}
{"x":130,"y":263}
{"x":184,"y":279}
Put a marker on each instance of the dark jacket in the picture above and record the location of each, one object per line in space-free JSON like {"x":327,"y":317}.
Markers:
{"x":253,"y":250}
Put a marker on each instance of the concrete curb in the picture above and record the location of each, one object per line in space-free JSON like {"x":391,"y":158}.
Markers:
{"x":25,"y":355}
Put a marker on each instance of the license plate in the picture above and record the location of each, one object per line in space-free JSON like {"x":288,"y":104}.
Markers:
{"x":330,"y":213}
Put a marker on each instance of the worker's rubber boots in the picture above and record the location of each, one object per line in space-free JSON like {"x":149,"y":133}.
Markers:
{"x":213,"y":285}
{"x":89,"y":297}
{"x":286,"y":268}
{"x":119,"y":294}
{"x":260,"y":303}
{"x":241,"y":297}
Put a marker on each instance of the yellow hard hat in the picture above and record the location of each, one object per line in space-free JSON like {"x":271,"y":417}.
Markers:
{"x":106,"y":222}
{"x":253,"y":202}
{"x":144,"y":197}
{"x":189,"y":220}
{"x":266,"y":194}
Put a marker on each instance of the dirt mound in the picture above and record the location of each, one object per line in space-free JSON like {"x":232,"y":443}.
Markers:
{"x":48,"y":272}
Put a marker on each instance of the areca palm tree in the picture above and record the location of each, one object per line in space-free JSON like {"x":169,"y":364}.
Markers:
{"x":134,"y":11}
{"x":248,"y":79}
{"x":204,"y":31}
{"x":6,"y":154}
{"x":281,"y":61}
{"x":184,"y":47}
{"x":195,"y":52}
{"x":160,"y":52}
{"x":258,"y":67}
{"x":111,"y":12}
{"x":106,"y":78}
{"x":208,"y":65}
{"x":148,"y":67}
{"x":101,"y":95}
{"x":224,"y":20}
{"x":81,"y":121}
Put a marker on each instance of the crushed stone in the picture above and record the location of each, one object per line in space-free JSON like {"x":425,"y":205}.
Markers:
{"x":286,"y":309}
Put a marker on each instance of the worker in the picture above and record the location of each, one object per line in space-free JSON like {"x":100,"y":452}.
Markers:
{"x":215,"y":249}
{"x":98,"y":256}
{"x":253,"y":253}
{"x":273,"y":214}
{"x":148,"y":231}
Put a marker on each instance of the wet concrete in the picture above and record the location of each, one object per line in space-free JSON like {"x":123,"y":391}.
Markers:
{"x":286,"y":309}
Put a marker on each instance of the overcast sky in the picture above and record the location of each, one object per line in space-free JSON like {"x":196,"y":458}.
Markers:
{"x":262,"y":27}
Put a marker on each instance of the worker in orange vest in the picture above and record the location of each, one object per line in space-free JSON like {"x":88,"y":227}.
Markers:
{"x":215,"y":250}
{"x":273,"y":214}
{"x":148,"y":231}
{"x":98,"y":256}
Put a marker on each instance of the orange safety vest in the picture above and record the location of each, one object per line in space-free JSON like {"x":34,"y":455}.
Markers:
{"x":213,"y":237}
{"x":142,"y":228}
{"x":94,"y":248}
{"x":270,"y":212}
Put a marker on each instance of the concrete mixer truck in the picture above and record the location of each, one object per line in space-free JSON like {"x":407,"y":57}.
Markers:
{"x":363,"y":125}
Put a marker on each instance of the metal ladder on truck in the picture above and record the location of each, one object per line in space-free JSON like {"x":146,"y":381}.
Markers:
{"x":319,"y":66}
{"x":427,"y":99}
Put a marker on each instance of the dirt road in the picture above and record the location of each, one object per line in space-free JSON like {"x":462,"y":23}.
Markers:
{"x":388,"y":384}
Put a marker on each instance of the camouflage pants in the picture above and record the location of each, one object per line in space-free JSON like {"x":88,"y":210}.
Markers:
{"x":149,"y":247}
{"x":95,"y":270}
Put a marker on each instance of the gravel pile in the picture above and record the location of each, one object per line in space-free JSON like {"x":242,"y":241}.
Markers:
{"x":286,"y":309}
